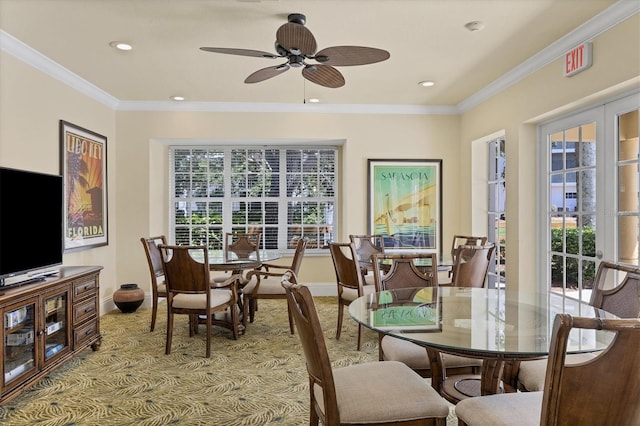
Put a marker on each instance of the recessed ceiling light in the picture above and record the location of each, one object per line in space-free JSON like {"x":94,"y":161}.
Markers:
{"x":314,"y":100}
{"x":474,"y":26}
{"x":178,"y":98}
{"x":120,"y":45}
{"x":426,"y":83}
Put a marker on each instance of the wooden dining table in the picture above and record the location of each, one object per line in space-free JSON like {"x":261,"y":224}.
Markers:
{"x":221,"y":261}
{"x":490,"y":324}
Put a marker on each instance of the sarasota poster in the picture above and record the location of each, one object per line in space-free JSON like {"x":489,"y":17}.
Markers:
{"x":405,"y":203}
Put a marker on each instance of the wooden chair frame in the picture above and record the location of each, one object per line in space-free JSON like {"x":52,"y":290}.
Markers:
{"x":156,"y":271}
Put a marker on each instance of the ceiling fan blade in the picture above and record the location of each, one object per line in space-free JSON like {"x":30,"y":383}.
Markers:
{"x":266,"y":73}
{"x":324,"y":75}
{"x":241,"y":52}
{"x":297,"y":39}
{"x":351,"y":55}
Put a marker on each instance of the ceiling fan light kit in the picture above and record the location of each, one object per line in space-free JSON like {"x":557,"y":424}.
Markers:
{"x":295,"y":43}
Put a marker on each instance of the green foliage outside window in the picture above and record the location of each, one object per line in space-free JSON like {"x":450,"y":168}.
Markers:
{"x":573,"y":246}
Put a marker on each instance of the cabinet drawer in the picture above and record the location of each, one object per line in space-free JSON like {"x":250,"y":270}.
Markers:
{"x":84,"y":288}
{"x":84,"y":333}
{"x":84,"y":309}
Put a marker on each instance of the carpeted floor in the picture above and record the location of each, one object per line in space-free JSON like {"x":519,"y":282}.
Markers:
{"x":258,"y":379}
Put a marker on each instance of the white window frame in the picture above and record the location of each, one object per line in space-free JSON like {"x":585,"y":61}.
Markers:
{"x":283,"y":242}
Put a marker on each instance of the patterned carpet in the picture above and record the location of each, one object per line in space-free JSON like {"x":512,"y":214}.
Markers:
{"x":258,"y":379}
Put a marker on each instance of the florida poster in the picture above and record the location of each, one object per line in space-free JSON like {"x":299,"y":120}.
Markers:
{"x":405,"y":203}
{"x":84,"y":168}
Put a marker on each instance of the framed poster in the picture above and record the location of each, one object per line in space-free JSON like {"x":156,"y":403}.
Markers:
{"x":84,"y":170}
{"x":405,"y":204}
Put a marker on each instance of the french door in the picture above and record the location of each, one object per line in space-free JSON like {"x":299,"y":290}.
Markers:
{"x":590,"y":203}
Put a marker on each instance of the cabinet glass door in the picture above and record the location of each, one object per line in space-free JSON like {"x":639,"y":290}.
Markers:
{"x":19,"y":323}
{"x":55,"y":324}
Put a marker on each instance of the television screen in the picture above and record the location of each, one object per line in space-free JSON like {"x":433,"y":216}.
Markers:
{"x":31,"y":221}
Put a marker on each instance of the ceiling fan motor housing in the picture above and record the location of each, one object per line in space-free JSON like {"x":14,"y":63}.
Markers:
{"x":297,"y":18}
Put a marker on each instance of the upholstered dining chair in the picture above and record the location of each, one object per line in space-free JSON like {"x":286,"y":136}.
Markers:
{"x":471,"y":265}
{"x":239,"y":246}
{"x":380,"y":393}
{"x":604,"y":390}
{"x":349,"y":281}
{"x":366,"y":246}
{"x":189,"y":292}
{"x":616,"y":289}
{"x":264,"y":282}
{"x":156,"y":271}
{"x":468,"y":240}
{"x":403,"y":273}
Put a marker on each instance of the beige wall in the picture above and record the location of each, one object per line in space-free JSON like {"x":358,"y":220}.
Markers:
{"x":143,"y":135}
{"x":31,"y":104}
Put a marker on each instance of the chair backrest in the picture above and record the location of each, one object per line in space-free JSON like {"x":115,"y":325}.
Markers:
{"x":305,"y":316}
{"x":367,"y":245}
{"x":242,"y":246}
{"x":301,"y":246}
{"x":471,"y":265}
{"x":154,"y":258}
{"x":612,"y":377}
{"x":186,"y":268}
{"x":405,"y":270}
{"x":467,"y":240}
{"x":345,"y":264}
{"x":617,"y":290}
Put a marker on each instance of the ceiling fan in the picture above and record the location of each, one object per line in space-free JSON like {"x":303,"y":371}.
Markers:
{"x":297,"y":45}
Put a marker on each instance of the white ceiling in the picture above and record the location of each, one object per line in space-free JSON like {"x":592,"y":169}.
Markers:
{"x":426,"y":39}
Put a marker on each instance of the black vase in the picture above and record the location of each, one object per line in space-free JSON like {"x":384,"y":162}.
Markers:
{"x":128,"y":298}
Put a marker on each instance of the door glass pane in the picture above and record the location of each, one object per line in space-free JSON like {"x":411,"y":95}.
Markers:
{"x":572,"y":192}
{"x":628,"y":177}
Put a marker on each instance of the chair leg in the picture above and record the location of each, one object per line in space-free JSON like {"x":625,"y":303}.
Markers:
{"x":360,"y":336}
{"x":290,"y":319}
{"x":209,"y":330}
{"x":252,"y":308}
{"x":154,"y":313}
{"x":340,"y":313}
{"x":235,"y":321}
{"x":169,"y":332}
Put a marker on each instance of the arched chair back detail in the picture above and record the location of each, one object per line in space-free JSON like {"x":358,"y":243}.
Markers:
{"x":366,"y":246}
{"x":617,"y":289}
{"x":472,"y":265}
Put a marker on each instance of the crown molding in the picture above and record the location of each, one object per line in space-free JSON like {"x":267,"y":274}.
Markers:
{"x":608,"y":18}
{"x":618,"y":12}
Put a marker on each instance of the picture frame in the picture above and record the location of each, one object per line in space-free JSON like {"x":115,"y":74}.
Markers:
{"x":84,"y":171}
{"x":405,"y":204}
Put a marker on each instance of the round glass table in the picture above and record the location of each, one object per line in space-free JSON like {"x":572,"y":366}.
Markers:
{"x":491,"y":324}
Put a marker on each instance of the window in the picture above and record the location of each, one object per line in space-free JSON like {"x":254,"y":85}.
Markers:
{"x":284,"y":193}
{"x":496,"y":225}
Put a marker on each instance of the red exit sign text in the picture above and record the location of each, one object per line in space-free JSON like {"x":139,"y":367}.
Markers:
{"x":577,"y":59}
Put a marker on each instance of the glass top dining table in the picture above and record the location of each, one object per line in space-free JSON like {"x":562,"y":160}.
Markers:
{"x":491,"y":324}
{"x":218,"y":261}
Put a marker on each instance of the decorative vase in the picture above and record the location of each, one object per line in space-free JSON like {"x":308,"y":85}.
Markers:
{"x":128,"y":298}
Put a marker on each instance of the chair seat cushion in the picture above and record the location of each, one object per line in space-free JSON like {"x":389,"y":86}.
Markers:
{"x":199,"y":301}
{"x":378,"y":392}
{"x":351,"y":294}
{"x":162,"y":289}
{"x":507,"y":409}
{"x":415,"y":356}
{"x":531,"y":373}
{"x":267,"y":286}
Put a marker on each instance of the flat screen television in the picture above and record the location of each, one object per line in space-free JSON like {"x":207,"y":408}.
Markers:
{"x":31,"y":223}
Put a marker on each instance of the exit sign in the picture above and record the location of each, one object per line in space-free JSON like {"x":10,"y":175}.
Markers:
{"x":577,"y":59}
